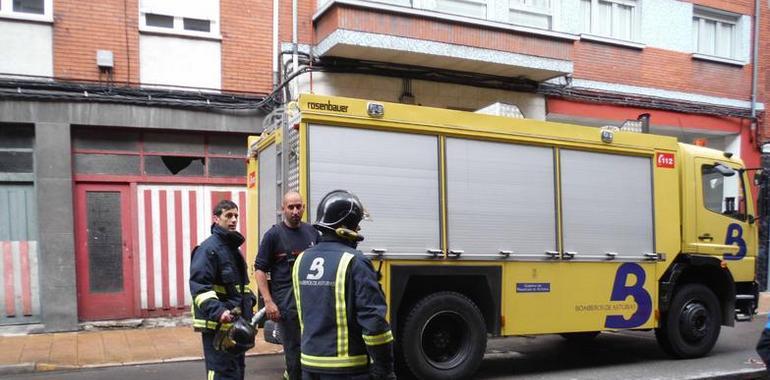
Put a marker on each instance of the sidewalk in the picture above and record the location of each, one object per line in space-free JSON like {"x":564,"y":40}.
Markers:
{"x":104,"y":348}
{"x":125,"y":346}
{"x":764,"y":303}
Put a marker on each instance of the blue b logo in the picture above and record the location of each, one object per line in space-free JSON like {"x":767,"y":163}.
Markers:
{"x":735,"y":236}
{"x":620,"y":292}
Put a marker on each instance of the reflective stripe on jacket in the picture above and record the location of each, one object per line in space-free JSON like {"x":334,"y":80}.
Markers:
{"x":341,"y":308}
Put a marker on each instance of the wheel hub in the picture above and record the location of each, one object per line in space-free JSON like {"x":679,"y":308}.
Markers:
{"x":444,"y":340}
{"x":441,"y":339}
{"x":694,"y":321}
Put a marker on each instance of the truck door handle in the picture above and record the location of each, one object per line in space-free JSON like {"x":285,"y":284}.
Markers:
{"x":706,"y":237}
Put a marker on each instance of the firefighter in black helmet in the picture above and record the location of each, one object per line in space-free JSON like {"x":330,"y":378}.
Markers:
{"x":340,"y":303}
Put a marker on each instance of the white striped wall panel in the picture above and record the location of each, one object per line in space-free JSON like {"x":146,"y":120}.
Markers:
{"x":19,"y":291}
{"x":171,"y":221}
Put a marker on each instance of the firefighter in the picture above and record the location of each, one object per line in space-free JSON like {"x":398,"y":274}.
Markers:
{"x":277,"y":251}
{"x":340,"y":304}
{"x":219,"y":288}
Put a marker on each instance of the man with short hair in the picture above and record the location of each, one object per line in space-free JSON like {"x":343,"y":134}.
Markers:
{"x":219,"y":285}
{"x":279,"y":247}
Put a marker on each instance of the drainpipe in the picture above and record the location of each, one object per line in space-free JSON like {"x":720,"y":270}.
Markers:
{"x":276,"y":57}
{"x":755,"y":73}
{"x":756,"y":133}
{"x":294,"y":58}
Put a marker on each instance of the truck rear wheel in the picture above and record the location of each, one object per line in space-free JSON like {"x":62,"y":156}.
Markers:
{"x":690,"y":327}
{"x":444,"y":337}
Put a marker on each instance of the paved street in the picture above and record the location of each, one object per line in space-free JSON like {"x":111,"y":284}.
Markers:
{"x":611,"y":356}
{"x":628,"y":355}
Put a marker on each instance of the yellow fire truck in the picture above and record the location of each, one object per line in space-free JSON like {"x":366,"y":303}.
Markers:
{"x":486,"y":226}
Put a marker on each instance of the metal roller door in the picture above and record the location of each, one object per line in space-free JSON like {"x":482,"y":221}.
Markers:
{"x":607,"y":205}
{"x":394,"y":174}
{"x":500,"y":200}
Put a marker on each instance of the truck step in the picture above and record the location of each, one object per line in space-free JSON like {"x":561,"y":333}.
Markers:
{"x":740,"y":317}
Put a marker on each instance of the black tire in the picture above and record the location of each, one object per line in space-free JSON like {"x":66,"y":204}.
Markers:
{"x":690,"y":327}
{"x":580,"y":337}
{"x":444,"y":337}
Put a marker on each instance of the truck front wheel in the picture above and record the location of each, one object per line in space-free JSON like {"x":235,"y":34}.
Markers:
{"x":690,"y":327}
{"x":444,"y":337}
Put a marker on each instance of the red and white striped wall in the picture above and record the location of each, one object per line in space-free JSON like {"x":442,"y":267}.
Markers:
{"x":171,"y":221}
{"x":19,"y":291}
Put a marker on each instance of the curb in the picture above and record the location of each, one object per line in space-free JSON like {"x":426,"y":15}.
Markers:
{"x":22,"y":368}
{"x":743,"y":374}
{"x":16,"y":369}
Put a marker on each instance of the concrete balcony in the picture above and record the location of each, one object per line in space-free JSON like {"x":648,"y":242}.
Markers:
{"x":402,"y":34}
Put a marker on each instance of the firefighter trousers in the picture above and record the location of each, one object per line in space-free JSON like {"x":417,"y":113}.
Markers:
{"x":290,"y":339}
{"x":221,"y":365}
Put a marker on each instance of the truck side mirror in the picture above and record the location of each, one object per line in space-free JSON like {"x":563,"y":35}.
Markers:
{"x":724,"y":170}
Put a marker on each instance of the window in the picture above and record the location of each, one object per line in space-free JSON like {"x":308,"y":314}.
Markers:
{"x":714,"y":32}
{"x":470,"y":8}
{"x":197,"y":24}
{"x":16,"y":150}
{"x":174,"y":165}
{"x":16,"y":162}
{"x":95,"y":163}
{"x":192,"y":24}
{"x":29,"y":6}
{"x":535,"y":13}
{"x":147,"y":153}
{"x":611,"y":18}
{"x":723,"y":194}
{"x":37,"y":10}
{"x":192,"y":17}
{"x":159,"y":21}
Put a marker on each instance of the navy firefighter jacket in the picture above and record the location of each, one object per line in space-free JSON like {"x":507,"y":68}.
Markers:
{"x":341,"y":308}
{"x":218,"y":279}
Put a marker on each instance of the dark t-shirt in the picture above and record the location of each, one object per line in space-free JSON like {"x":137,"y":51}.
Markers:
{"x":277,"y":253}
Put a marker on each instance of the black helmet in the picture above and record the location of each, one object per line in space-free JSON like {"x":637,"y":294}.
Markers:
{"x":236,"y":339}
{"x":340,"y":211}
